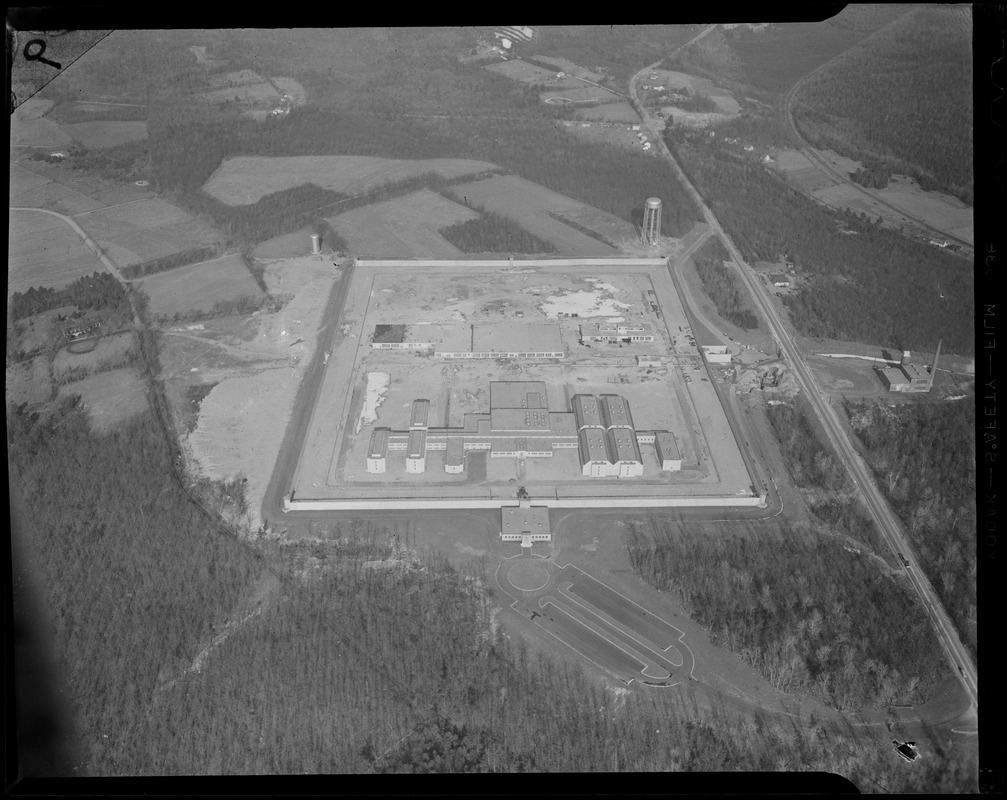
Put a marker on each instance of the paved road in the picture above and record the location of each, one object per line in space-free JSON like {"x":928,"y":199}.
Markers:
{"x":806,"y":149}
{"x":888,"y":524}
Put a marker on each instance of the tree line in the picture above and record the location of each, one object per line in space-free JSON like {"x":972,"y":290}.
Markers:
{"x":722,"y":285}
{"x":493,"y":233}
{"x":94,"y":292}
{"x":924,"y":457}
{"x":864,"y":283}
{"x":905,"y":98}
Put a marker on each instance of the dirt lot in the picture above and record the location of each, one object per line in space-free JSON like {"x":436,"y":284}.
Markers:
{"x":110,"y":350}
{"x":106,"y":133}
{"x":44,"y":251}
{"x":530,"y":205}
{"x":110,"y":397}
{"x":246,"y":179}
{"x":257,"y":363}
{"x":404,"y":227}
{"x":199,"y":286}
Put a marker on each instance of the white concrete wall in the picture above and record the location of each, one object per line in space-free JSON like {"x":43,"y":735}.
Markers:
{"x":517,"y":262}
{"x":573,"y":502}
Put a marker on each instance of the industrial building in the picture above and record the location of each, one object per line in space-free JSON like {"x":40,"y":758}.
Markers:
{"x":496,"y":340}
{"x":717,"y":353}
{"x":908,"y":377}
{"x":612,"y":332}
{"x":779,"y":279}
{"x":520,"y":425}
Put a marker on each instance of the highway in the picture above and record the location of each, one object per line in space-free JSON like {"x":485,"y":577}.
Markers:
{"x":888,"y":524}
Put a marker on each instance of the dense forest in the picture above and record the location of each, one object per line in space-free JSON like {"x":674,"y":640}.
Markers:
{"x":133,"y":574}
{"x":94,"y":292}
{"x":493,"y":233}
{"x":924,"y":457}
{"x":723,"y":286}
{"x":191,"y":256}
{"x":904,"y":98}
{"x":867,"y":283}
{"x":815,"y":469}
{"x":797,"y":606}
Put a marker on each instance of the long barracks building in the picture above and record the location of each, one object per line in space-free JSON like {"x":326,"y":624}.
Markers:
{"x":519,"y":424}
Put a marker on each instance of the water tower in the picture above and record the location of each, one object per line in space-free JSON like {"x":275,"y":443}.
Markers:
{"x":316,"y":245}
{"x":651,"y":231}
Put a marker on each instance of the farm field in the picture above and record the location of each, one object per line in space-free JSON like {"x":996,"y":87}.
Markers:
{"x":109,"y":351}
{"x":523,"y":72}
{"x":583,"y":94}
{"x":530,"y":206}
{"x":286,"y":245}
{"x":246,"y":179}
{"x":258,"y":93}
{"x":109,"y":398}
{"x":610,"y":112}
{"x":567,"y":66}
{"x":403,"y":227}
{"x":680,"y":80}
{"x":801,"y":172}
{"x":616,"y":134}
{"x":29,"y":382}
{"x":199,"y":286}
{"x":44,"y":251}
{"x":106,"y":133}
{"x":28,"y":128}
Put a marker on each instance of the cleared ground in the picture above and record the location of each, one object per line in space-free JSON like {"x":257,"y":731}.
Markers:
{"x":567,"y":66}
{"x":264,"y":93}
{"x":332,"y":463}
{"x":111,"y":397}
{"x":285,"y":245}
{"x":298,"y":94}
{"x":246,"y":179}
{"x":43,"y":250}
{"x":28,"y":382}
{"x":199,"y":286}
{"x":702,"y":86}
{"x":524,"y":72}
{"x":106,"y":133}
{"x":403,"y":227}
{"x":110,"y":350}
{"x":531,"y":206}
{"x":583,"y":94}
{"x":610,"y":112}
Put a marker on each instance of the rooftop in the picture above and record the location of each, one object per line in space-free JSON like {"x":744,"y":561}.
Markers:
{"x":420,"y":414}
{"x":379,"y":443}
{"x":389,"y":334}
{"x":517,"y":394}
{"x":667,"y":447}
{"x":615,"y":411}
{"x":417,"y":447}
{"x":592,"y":446}
{"x":517,"y":337}
{"x":519,"y":419}
{"x":916,"y":372}
{"x":524,"y":519}
{"x":585,"y":408}
{"x":623,"y":445}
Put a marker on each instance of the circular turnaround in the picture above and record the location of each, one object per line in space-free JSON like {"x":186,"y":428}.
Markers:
{"x":528,"y":576}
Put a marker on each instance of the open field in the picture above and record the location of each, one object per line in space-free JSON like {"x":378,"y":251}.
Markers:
{"x":109,"y":398}
{"x":44,"y":251}
{"x":583,"y":94}
{"x":801,"y":172}
{"x":259,"y":93}
{"x":616,"y":134}
{"x":106,"y":133}
{"x":530,"y":205}
{"x":610,"y":112}
{"x":298,"y":94}
{"x":199,"y":286}
{"x":403,"y":227}
{"x":29,"y":382}
{"x":567,"y":66}
{"x":286,"y":245}
{"x":29,"y":130}
{"x":246,"y":179}
{"x":679,"y":80}
{"x":454,"y":295}
{"x":110,"y":350}
{"x":524,"y":72}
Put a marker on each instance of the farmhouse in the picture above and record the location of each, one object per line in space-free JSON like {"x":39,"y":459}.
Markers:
{"x":779,"y":279}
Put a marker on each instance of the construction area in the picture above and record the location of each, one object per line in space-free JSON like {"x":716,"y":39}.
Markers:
{"x":475,"y":383}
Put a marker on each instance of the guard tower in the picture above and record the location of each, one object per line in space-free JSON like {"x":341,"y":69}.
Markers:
{"x":651,"y":231}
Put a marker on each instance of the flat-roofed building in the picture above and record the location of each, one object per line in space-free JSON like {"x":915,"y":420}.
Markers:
{"x":518,"y":340}
{"x":667,"y":451}
{"x":525,"y":524}
{"x":420,"y":414}
{"x":779,"y":279}
{"x":612,"y":331}
{"x":895,"y":379}
{"x":648,"y":361}
{"x":919,"y":378}
{"x":416,"y":452}
{"x":399,"y":337}
{"x":377,"y":453}
{"x":518,"y":394}
{"x":615,"y":412}
{"x":594,"y":458}
{"x":454,"y":455}
{"x":586,"y":411}
{"x":624,"y":452}
{"x":717,"y":353}
{"x":520,"y":419}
